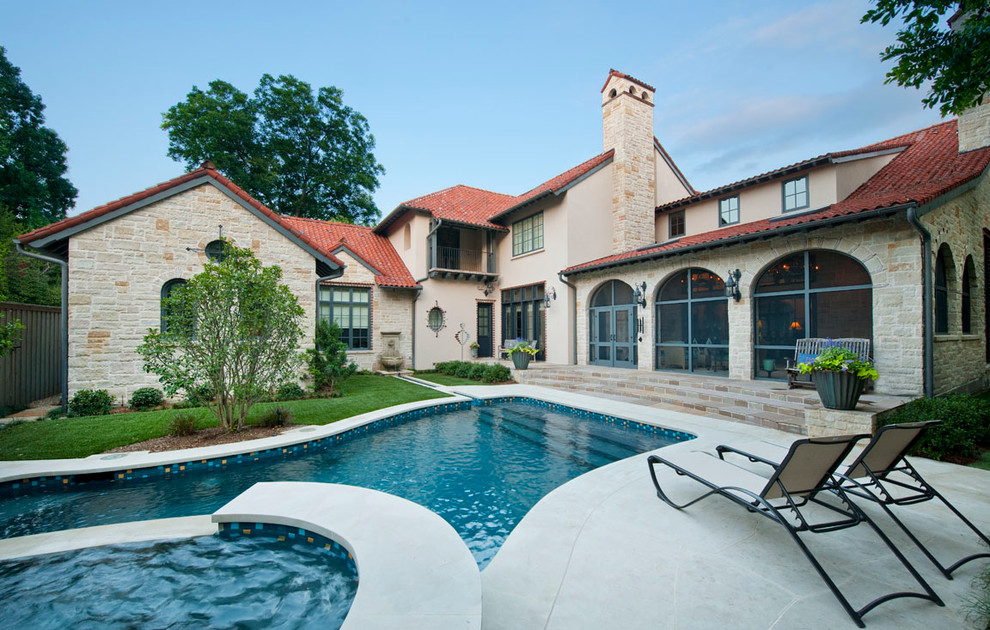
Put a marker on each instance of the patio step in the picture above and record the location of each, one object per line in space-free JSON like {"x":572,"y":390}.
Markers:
{"x":762,"y":403}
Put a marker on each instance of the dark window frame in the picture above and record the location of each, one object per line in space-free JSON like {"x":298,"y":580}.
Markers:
{"x":527,"y":234}
{"x":690,"y":300}
{"x":356,"y":337}
{"x":678,"y":220}
{"x":518,"y":321}
{"x":941,"y":295}
{"x":966,"y":289}
{"x":166,"y":291}
{"x":722,"y":211}
{"x":795,"y":195}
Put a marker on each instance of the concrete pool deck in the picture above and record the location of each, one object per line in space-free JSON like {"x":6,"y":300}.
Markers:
{"x":602,"y":551}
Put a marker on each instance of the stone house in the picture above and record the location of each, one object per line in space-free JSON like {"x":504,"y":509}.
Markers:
{"x":617,"y":261}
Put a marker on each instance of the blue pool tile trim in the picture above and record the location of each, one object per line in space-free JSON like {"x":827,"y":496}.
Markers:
{"x":285,"y":533}
{"x":220,"y":464}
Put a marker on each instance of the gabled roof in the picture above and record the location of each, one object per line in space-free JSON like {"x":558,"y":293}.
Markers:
{"x":928,"y":167}
{"x":375,"y":251}
{"x":474,"y":206}
{"x":615,"y":73}
{"x":206,"y":174}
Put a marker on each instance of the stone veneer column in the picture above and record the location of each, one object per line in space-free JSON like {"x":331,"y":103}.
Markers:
{"x":627,"y":127}
{"x":974,"y":127}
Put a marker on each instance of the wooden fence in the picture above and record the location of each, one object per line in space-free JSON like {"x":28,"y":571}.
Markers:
{"x":31,"y":370}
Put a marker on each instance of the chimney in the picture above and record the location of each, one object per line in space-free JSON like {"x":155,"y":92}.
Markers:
{"x":974,"y":123}
{"x":627,"y":128}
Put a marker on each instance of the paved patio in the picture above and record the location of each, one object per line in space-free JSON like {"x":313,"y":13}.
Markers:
{"x":603,"y":552}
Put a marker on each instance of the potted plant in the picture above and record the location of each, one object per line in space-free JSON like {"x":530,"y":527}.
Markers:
{"x":474,"y":349}
{"x":521,"y":354}
{"x":839,"y":375}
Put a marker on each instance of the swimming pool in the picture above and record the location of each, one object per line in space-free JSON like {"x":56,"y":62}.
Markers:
{"x":208,"y":581}
{"x":481,"y":467}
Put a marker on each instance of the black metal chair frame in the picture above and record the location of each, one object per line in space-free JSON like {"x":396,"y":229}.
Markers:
{"x":794,"y":499}
{"x":874,"y":488}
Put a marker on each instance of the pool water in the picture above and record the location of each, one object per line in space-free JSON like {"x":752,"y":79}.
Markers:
{"x":204,"y":582}
{"x":480,"y":468}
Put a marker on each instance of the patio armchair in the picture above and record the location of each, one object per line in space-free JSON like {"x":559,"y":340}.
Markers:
{"x":802,"y":479}
{"x":882,"y":474}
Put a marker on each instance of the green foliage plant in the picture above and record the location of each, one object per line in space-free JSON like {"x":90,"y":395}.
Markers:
{"x":523,"y":346}
{"x":327,"y":363}
{"x":954,"y":64}
{"x":965,"y":425}
{"x":289,"y":391}
{"x":277,"y":417}
{"x":496,"y":373}
{"x":978,"y":603}
{"x":301,"y":153}
{"x":235,"y":327}
{"x":146,"y":398}
{"x":838,"y":358}
{"x":90,"y":402}
{"x":182,"y":424}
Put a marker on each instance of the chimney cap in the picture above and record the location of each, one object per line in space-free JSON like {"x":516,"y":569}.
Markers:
{"x":615,"y":73}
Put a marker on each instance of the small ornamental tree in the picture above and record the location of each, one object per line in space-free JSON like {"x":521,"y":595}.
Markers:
{"x":233,"y":327}
{"x":327,"y":363}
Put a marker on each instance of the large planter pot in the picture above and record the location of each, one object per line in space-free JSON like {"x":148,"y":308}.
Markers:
{"x":838,"y":390}
{"x":521,"y":360}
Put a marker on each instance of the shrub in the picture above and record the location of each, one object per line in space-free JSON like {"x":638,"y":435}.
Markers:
{"x":327,"y":363}
{"x":276,"y":417}
{"x":182,"y":424}
{"x":463,"y":370}
{"x":91,"y":402}
{"x":495,"y":373}
{"x":55,"y":413}
{"x":183,"y":404}
{"x":146,"y":398}
{"x":477,"y":371}
{"x":964,"y":425}
{"x":201,"y":395}
{"x":289,"y":391}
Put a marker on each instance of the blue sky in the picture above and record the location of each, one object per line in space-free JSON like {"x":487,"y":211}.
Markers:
{"x":500,"y":96}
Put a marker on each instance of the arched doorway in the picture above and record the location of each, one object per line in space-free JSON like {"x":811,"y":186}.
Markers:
{"x":815,"y":293}
{"x":692,"y":323}
{"x":612,"y":322}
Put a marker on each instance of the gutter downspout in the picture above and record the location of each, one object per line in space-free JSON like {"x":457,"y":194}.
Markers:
{"x":560,"y":276}
{"x":63,"y":319}
{"x":419,"y":292}
{"x":926,"y":301}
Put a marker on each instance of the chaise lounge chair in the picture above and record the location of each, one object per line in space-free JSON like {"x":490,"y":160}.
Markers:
{"x":882,"y":474}
{"x":803,"y":474}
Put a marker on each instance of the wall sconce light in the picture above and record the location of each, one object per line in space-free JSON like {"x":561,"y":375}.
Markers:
{"x":549,"y":296}
{"x":732,"y":286}
{"x":639,"y":296}
{"x":489,"y":288}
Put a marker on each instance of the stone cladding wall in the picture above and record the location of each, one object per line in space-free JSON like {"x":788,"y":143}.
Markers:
{"x":391,"y":311}
{"x":960,"y":359}
{"x":974,"y":127}
{"x":889,"y":249}
{"x":627,"y":127}
{"x":117,"y":269}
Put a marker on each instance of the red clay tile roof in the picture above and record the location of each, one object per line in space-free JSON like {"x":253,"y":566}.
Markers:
{"x":615,"y":73}
{"x":206,"y":170}
{"x":929,"y":167}
{"x":461,"y":204}
{"x":373,"y":249}
{"x":557,"y":183}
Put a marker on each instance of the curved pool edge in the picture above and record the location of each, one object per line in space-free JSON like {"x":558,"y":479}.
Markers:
{"x":99,"y":535}
{"x":13,"y":470}
{"x":414,"y":570}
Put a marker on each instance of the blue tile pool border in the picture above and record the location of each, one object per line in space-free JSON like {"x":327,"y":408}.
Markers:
{"x":286,"y":533}
{"x":220,"y":464}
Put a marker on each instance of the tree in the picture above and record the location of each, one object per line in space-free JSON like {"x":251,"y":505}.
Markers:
{"x":32,"y":157}
{"x":233,"y":327}
{"x":956,"y":62}
{"x":327,"y":363}
{"x":300,"y":154}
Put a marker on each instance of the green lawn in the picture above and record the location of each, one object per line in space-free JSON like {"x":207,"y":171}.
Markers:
{"x":81,"y":437}
{"x":443,"y":379}
{"x":983,"y":462}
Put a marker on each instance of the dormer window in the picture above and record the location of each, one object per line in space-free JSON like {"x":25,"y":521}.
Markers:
{"x":728,"y":211}
{"x":796,"y":193}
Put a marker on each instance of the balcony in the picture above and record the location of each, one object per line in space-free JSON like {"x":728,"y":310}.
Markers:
{"x":462,"y":254}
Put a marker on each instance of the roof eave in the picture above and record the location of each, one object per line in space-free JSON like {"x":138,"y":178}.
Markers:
{"x":743,"y":238}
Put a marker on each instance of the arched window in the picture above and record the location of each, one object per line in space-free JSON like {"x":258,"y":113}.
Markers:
{"x":612,"y":322}
{"x":942,"y":261}
{"x":167,"y":289}
{"x":692,"y":323}
{"x":215,"y":250}
{"x":814,"y":293}
{"x":968,"y":282}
